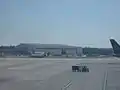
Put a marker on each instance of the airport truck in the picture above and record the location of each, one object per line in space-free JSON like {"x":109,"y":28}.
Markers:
{"x":80,"y":68}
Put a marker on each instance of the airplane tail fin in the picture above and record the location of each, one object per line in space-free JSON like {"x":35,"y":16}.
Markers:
{"x":115,"y":46}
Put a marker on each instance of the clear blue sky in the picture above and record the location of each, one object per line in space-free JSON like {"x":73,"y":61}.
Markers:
{"x":74,"y":22}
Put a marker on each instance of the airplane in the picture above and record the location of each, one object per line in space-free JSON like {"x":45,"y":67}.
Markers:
{"x":38,"y":54}
{"x":116,"y":47}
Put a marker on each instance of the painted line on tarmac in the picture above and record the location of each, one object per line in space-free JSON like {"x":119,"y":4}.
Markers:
{"x":28,"y":67}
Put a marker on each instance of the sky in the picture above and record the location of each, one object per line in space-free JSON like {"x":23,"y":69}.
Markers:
{"x":86,"y":23}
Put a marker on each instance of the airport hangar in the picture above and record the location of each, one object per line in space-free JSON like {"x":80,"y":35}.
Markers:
{"x":52,"y":49}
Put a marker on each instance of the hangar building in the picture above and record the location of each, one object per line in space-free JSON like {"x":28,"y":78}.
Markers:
{"x":52,"y":49}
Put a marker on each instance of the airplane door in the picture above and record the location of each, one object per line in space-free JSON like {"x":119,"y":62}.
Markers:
{"x":113,"y":79}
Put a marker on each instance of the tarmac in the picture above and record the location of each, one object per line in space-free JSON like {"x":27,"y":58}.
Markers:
{"x":48,"y":74}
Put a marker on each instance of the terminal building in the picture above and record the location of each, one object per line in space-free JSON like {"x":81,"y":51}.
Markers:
{"x":52,"y":49}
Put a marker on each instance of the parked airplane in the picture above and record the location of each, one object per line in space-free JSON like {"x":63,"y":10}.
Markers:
{"x":116,"y":48}
{"x":38,"y":54}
